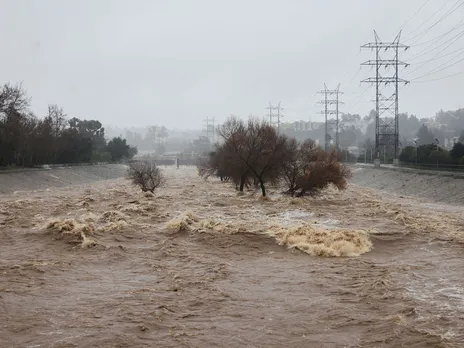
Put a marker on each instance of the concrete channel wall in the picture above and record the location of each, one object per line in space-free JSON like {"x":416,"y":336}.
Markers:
{"x":56,"y":176}
{"x":436,"y":186}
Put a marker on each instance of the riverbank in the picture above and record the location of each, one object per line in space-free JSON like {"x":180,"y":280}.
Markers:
{"x":442,"y":187}
{"x":41,"y":179}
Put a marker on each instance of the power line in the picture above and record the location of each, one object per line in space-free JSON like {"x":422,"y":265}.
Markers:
{"x":437,"y":22}
{"x":444,"y":64}
{"x":414,"y":14}
{"x":453,"y":40}
{"x":354,"y":77}
{"x":346,"y":74}
{"x":435,"y":71}
{"x":439,"y":57}
{"x":435,"y":56}
{"x":359,"y":99}
{"x":441,"y":78}
{"x":420,"y":25}
{"x":460,"y":24}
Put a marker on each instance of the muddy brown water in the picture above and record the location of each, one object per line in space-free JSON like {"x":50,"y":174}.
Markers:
{"x":199,"y":266}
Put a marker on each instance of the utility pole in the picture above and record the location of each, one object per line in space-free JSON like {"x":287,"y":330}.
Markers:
{"x":270,"y":108}
{"x":327,"y":112}
{"x":278,"y":115}
{"x":206,"y":120}
{"x":210,"y":130}
{"x":386,"y":101}
{"x":214,"y":131}
{"x":153,"y":130}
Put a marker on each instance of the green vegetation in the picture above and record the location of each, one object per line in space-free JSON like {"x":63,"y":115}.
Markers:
{"x":27,"y":140}
{"x":428,"y":151}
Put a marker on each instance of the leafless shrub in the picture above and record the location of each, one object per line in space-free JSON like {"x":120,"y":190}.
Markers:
{"x":308,"y":169}
{"x":145,"y":175}
{"x":324,"y":170}
{"x":205,"y":166}
{"x":213,"y":165}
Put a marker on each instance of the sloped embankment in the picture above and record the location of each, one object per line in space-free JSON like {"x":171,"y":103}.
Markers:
{"x":41,"y":179}
{"x":436,"y":187}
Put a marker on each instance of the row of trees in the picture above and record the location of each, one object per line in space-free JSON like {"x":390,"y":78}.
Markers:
{"x":425,"y":136}
{"x":26,"y":140}
{"x":433,"y":154}
{"x":154,"y":139}
{"x":360,"y":131}
{"x":253,"y":154}
{"x":427,"y":149}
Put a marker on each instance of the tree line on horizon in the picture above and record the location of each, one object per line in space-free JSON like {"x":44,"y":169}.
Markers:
{"x":27,"y":140}
{"x":357,"y":130}
{"x":428,"y":149}
{"x":419,"y":142}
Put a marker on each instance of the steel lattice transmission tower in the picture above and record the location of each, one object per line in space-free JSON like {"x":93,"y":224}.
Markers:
{"x":210,"y":130}
{"x":386,"y":99}
{"x":278,"y":115}
{"x":327,"y":112}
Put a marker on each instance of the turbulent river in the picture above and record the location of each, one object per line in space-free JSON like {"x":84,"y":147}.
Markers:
{"x":197,"y":265}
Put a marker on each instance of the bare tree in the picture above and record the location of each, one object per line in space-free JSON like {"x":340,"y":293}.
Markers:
{"x":234,"y":134}
{"x":58,"y":122}
{"x":58,"y":118}
{"x":255,"y":151}
{"x":13,"y":98}
{"x":206,"y":166}
{"x":145,"y":175}
{"x":292,"y":165}
{"x":266,"y":152}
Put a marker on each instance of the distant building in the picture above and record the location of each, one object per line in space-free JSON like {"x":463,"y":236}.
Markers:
{"x":354,"y":150}
{"x":303,"y":126}
{"x":450,"y":142}
{"x":431,"y":124}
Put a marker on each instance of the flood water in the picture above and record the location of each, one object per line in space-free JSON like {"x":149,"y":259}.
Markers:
{"x":197,"y":265}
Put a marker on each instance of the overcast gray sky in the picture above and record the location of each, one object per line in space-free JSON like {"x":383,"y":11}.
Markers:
{"x":142,"y":62}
